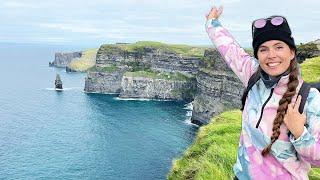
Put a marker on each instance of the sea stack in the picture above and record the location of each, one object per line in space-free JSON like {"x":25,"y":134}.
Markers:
{"x":58,"y":82}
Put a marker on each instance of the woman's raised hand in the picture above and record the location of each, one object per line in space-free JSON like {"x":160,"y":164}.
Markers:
{"x":214,"y":13}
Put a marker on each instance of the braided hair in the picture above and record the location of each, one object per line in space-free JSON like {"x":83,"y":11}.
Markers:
{"x":281,"y":32}
{"x":283,"y":103}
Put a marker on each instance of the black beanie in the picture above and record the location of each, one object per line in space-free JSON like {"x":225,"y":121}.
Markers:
{"x":272,"y":32}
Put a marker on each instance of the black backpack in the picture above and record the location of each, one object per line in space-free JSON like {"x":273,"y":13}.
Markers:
{"x":304,"y":90}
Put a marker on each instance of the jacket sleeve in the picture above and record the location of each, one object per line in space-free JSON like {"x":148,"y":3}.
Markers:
{"x":241,"y":63}
{"x":308,"y":144}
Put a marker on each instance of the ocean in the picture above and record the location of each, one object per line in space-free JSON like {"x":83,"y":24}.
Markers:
{"x":70,"y":134}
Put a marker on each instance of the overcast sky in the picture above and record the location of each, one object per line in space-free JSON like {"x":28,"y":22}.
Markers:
{"x":95,"y":22}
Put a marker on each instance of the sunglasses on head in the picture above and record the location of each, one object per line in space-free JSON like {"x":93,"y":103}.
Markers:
{"x":274,"y":20}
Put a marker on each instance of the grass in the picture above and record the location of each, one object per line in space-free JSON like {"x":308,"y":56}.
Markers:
{"x":314,"y":174}
{"x":158,"y":75}
{"x":86,"y":61}
{"x":213,"y":152}
{"x":180,"y":49}
{"x":311,"y":69}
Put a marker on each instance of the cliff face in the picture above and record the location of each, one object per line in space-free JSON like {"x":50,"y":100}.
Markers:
{"x":142,"y":87}
{"x":147,"y":57}
{"x":103,"y":82}
{"x":217,"y":92}
{"x":218,"y":89}
{"x":159,"y":65}
{"x":158,"y":73}
{"x":62,"y":60}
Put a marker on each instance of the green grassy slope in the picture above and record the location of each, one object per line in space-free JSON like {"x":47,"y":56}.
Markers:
{"x":87,"y":60}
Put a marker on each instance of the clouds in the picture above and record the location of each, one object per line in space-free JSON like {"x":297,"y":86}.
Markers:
{"x":173,"y":21}
{"x":77,"y":28}
{"x":13,"y":4}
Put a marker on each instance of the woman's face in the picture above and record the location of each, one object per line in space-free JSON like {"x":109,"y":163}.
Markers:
{"x":274,"y":57}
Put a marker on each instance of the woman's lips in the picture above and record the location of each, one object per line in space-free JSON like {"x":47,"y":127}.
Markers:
{"x":273,"y":64}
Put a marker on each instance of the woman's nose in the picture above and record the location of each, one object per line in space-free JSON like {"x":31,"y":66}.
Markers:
{"x":271,"y":53}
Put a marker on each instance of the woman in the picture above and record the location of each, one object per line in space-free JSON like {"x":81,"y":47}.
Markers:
{"x":276,"y":141}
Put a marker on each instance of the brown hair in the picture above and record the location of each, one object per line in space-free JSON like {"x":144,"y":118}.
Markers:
{"x":283,"y":103}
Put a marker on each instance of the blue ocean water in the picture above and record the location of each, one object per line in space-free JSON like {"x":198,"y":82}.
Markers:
{"x":45,"y":134}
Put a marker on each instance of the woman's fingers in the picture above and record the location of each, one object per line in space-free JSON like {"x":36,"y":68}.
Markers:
{"x":214,"y":12}
{"x":220,"y":10}
{"x":285,"y":118}
{"x":297,"y":104}
{"x":290,"y":106}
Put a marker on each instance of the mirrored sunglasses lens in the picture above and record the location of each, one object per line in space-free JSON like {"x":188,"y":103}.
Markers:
{"x":277,"y":21}
{"x":260,"y":23}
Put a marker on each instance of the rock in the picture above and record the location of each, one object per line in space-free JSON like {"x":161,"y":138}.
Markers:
{"x":213,"y":61}
{"x":144,"y":58}
{"x":144,"y":87}
{"x":68,"y":69}
{"x":58,"y":82}
{"x":218,"y":90}
{"x":104,"y":82}
{"x":63,"y":59}
{"x":308,"y":50}
{"x":147,"y":57}
{"x":215,"y":88}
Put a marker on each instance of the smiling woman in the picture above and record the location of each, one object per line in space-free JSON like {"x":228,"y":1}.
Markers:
{"x":274,"y":57}
{"x":276,"y":140}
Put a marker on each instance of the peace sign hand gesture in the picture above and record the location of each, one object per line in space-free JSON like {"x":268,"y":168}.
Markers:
{"x":294,"y":120}
{"x":214,"y":13}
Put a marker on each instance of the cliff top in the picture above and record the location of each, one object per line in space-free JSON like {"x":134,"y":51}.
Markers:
{"x":86,"y":61}
{"x":180,"y":49}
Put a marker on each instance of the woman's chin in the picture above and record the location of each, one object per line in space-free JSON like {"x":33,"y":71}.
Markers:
{"x":274,"y":72}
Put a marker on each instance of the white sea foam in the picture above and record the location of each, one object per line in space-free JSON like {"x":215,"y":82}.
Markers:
{"x":189,"y":113}
{"x":188,"y":121}
{"x":188,"y":106}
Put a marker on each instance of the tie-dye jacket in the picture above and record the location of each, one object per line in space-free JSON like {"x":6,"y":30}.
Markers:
{"x":290,"y":158}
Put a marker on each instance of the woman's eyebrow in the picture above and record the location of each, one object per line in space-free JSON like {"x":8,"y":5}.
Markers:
{"x":279,"y":43}
{"x":263,"y":46}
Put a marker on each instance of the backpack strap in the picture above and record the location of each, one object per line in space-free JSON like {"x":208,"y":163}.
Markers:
{"x":315,"y":85}
{"x":304,"y":91}
{"x":252,"y":80}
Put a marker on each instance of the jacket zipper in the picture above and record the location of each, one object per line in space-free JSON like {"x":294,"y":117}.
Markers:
{"x":264,"y":104}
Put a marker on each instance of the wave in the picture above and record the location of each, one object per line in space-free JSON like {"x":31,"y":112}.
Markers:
{"x":188,"y":106}
{"x":189,"y":113}
{"x":188,"y":121}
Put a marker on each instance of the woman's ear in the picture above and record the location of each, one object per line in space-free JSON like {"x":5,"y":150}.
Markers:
{"x":292,"y":54}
